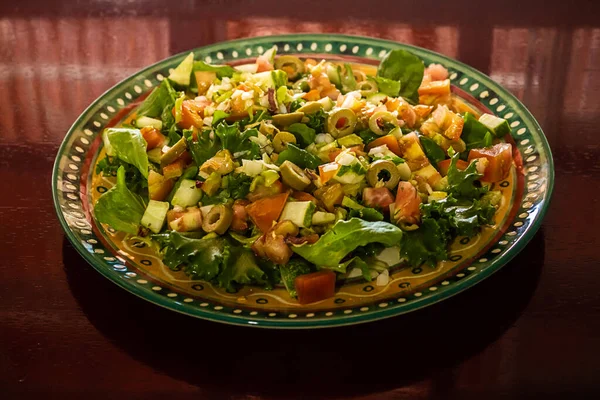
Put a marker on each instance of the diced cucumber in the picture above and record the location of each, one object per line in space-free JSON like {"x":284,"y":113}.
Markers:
{"x":322,"y":218}
{"x":155,"y":215}
{"x":334,"y":75}
{"x":143,"y":122}
{"x":498,"y":126}
{"x":154,"y":155}
{"x":182,"y":74}
{"x":405,"y":172}
{"x":187,"y":194}
{"x":390,"y":256}
{"x":327,"y":103}
{"x":351,"y":204}
{"x":376,"y":98}
{"x":299,"y":212}
{"x":350,"y":140}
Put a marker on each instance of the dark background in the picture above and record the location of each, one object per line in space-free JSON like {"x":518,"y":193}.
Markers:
{"x":530,"y":331}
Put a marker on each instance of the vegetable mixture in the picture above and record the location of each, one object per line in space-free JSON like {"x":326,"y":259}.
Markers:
{"x":303,"y":173}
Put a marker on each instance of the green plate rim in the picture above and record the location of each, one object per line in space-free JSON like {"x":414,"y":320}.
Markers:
{"x":374,"y":313}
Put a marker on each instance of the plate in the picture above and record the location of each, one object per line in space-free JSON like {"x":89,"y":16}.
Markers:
{"x":136,"y":268}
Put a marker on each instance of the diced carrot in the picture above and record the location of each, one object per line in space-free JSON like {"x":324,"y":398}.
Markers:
{"x":303,"y":196}
{"x":435,"y":87}
{"x":265,"y":211}
{"x":174,"y":170}
{"x":328,"y":171}
{"x":265,"y":191}
{"x":389,"y":140}
{"x":444,"y":165}
{"x":313,"y":95}
{"x":192,"y":113}
{"x":315,"y":287}
{"x":153,"y":137}
{"x":422,"y":110}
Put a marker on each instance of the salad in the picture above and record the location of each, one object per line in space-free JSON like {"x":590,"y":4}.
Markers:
{"x":303,"y":173}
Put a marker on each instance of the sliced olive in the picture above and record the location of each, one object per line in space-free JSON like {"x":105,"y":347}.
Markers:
{"x":218,"y":219}
{"x":293,"y":66}
{"x":267,"y":129}
{"x":384,"y":171}
{"x":173,"y":153}
{"x":382,"y":122}
{"x":310,"y":107}
{"x":293,"y":176}
{"x":281,"y":140}
{"x":367,"y":87}
{"x":282,"y":120}
{"x":341,"y":122}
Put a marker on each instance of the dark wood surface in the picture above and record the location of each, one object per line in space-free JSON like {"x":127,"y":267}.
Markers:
{"x":530,"y":331}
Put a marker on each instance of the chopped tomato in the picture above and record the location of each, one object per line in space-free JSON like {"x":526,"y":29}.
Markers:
{"x":315,"y":287}
{"x":240,"y":216}
{"x":378,"y":197}
{"x":263,"y":63}
{"x":422,"y":110}
{"x":499,"y":159}
{"x":265,"y":211}
{"x":192,"y":113}
{"x":444,"y":165}
{"x":407,"y":204}
{"x":303,"y":196}
{"x":328,"y":171}
{"x":389,"y":140}
{"x":153,"y":137}
{"x":265,"y":191}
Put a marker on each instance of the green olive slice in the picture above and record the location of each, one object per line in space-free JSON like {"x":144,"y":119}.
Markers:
{"x":310,"y":107}
{"x":293,"y":66}
{"x":384,"y":171}
{"x":281,"y":140}
{"x":293,"y":176}
{"x":382,"y":122}
{"x":341,"y":122}
{"x":367,"y":87}
{"x":282,"y":120}
{"x":218,"y":219}
{"x":173,"y":153}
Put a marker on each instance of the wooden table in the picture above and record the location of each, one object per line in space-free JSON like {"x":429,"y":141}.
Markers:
{"x":530,"y":331}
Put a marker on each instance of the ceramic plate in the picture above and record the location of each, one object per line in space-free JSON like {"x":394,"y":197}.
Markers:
{"x":136,"y":268}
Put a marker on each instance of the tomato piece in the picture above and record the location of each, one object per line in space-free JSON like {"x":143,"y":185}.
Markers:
{"x":378,"y":197}
{"x":406,"y":208}
{"x":389,"y":140}
{"x":444,"y":165}
{"x":499,"y":158}
{"x":315,"y":287}
{"x":263,"y":64}
{"x":276,"y":249}
{"x":153,"y":137}
{"x":192,"y":113}
{"x":265,"y":191}
{"x":328,"y":171}
{"x":240,"y":216}
{"x":263,"y":212}
{"x":303,"y":196}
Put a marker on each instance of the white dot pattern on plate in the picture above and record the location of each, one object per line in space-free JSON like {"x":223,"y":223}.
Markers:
{"x":463,"y":81}
{"x":343,"y":48}
{"x":493,"y":101}
{"x":328,"y":47}
{"x":453,"y":76}
{"x":363,"y":309}
{"x":474,"y":87}
{"x":313,"y":46}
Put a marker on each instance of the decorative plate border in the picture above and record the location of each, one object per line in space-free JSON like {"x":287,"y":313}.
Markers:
{"x":70,"y":182}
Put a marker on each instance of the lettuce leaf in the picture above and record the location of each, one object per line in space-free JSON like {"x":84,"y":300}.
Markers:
{"x":129,"y":145}
{"x":291,"y":270}
{"x":344,"y":237}
{"x":386,"y":86}
{"x":464,"y":184}
{"x":119,"y":207}
{"x":303,"y":133}
{"x":160,"y":98}
{"x":109,"y":167}
{"x":475,"y":134}
{"x":300,"y":157}
{"x":426,"y":245}
{"x":405,"y":67}
{"x":238,"y":144}
{"x":221,"y":70}
{"x":241,"y":269}
{"x":203,"y":148}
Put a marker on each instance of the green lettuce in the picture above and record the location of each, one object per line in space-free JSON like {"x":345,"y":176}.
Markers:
{"x":304,"y":134}
{"x":221,"y":70}
{"x":344,"y":237}
{"x":161,"y":97}
{"x":405,"y":67}
{"x":238,"y":144}
{"x":300,"y":157}
{"x":203,"y":148}
{"x":426,"y":245}
{"x":386,"y":86}
{"x":109,"y":166}
{"x":290,"y":271}
{"x":128,"y":145}
{"x":241,"y":269}
{"x":119,"y":207}
{"x":464,"y":184}
{"x":475,"y":134}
